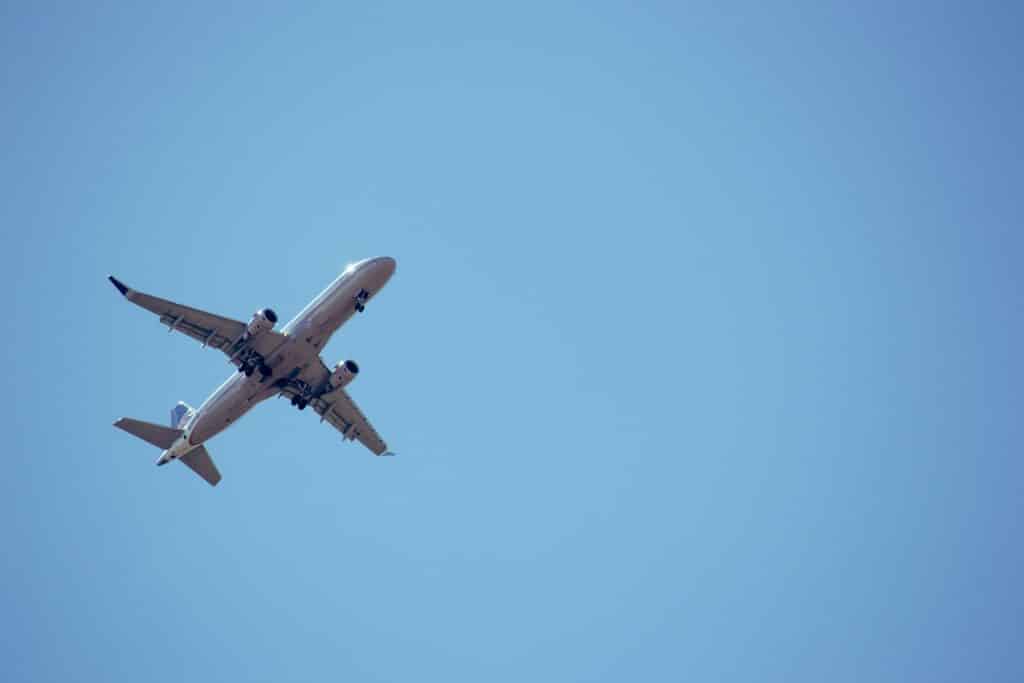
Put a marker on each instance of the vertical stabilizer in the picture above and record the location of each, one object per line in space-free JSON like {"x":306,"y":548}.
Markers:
{"x":180,"y":414}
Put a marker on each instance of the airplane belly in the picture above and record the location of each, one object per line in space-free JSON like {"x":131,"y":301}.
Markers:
{"x":223,"y":410}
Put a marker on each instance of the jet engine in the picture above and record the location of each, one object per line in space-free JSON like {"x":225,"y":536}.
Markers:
{"x":262,"y":320}
{"x":344,"y":373}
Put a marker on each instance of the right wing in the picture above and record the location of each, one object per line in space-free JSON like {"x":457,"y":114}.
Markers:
{"x":336,"y":408}
{"x":212,"y":330}
{"x":342,"y":413}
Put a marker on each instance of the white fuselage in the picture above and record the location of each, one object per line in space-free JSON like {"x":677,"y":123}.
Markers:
{"x":297,"y":357}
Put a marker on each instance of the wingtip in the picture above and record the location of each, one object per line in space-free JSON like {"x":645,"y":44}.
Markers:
{"x":121,"y":287}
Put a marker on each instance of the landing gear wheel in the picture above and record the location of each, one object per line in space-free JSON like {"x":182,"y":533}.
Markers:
{"x":360,"y":307}
{"x":248,"y":371}
{"x":265,"y":370}
{"x":302,"y":405}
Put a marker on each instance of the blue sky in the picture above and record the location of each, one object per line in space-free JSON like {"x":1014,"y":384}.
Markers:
{"x":702,"y":358}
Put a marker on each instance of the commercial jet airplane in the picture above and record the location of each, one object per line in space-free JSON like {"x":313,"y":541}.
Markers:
{"x":270,"y":363}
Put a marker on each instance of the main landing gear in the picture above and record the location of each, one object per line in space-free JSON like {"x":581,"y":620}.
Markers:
{"x":304,"y":394}
{"x":251,"y":367}
{"x":361,"y":299}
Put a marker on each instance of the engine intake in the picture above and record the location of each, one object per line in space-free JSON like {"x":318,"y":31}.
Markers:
{"x":344,"y":373}
{"x":262,"y":320}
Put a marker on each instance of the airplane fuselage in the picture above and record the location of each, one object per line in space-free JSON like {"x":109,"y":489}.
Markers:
{"x":295,"y":359}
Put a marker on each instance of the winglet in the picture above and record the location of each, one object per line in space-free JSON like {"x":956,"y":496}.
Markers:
{"x":387,"y":453}
{"x":121,"y":287}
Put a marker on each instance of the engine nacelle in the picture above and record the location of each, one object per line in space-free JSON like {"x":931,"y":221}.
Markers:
{"x":344,"y":373}
{"x":262,"y":320}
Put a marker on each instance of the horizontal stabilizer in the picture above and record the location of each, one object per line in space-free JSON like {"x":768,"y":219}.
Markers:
{"x":200,"y":462}
{"x":158,"y":435}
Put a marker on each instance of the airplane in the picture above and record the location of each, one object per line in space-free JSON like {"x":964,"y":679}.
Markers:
{"x":269,"y":363}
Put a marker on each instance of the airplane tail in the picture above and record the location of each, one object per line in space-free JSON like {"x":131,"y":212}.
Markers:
{"x":181,"y":414}
{"x":198,"y":459}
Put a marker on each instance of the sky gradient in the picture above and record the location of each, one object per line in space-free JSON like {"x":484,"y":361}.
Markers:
{"x":702,"y":358}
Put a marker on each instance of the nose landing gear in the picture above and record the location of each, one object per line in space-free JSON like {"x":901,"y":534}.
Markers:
{"x":361,"y":299}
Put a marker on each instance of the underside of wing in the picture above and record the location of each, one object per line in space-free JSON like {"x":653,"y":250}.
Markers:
{"x":339,"y":410}
{"x":336,"y":408}
{"x":211,"y":330}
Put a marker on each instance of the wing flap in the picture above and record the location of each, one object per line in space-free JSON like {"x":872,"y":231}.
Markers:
{"x":208,"y":335}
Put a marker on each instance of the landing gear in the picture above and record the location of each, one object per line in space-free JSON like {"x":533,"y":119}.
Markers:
{"x":249,"y":362}
{"x":305,"y":395}
{"x":361,"y":299}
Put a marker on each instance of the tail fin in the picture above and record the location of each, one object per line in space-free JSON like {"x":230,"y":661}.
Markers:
{"x":180,"y":414}
{"x":200,"y":462}
{"x":158,"y":435}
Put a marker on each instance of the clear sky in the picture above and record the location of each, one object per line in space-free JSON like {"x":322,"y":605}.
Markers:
{"x":702,"y":358}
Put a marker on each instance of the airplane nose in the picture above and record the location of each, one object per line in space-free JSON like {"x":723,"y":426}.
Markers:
{"x":377,"y":270}
{"x":385,"y":265}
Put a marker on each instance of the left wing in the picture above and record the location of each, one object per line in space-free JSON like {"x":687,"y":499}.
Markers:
{"x":212,"y":330}
{"x":338,"y":409}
